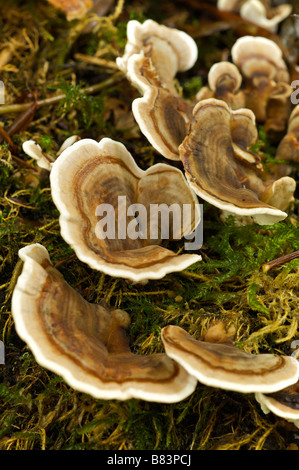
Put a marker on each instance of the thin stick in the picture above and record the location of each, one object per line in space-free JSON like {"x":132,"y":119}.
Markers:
{"x":278,"y":261}
{"x":96,"y":61}
{"x":7,"y":138}
{"x":17,"y":108}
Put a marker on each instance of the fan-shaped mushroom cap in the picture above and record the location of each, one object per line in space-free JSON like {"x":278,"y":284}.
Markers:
{"x":260,"y":61}
{"x":259,"y":56}
{"x":153,"y":55}
{"x":44,"y":160}
{"x":224,"y":366}
{"x":89,"y":179}
{"x":224,"y":74}
{"x":284,"y":403}
{"x":86,"y":343}
{"x":35,"y":151}
{"x":258,"y":12}
{"x":169,"y":49}
{"x":280,"y":193}
{"x":162,"y":116}
{"x":224,"y":80}
{"x":268,"y":18}
{"x":218,"y":165}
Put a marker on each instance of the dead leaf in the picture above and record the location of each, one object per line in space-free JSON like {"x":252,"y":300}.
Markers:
{"x":73,"y":9}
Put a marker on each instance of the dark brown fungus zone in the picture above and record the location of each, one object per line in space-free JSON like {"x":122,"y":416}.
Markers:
{"x":162,"y":116}
{"x":288,"y":148}
{"x":224,"y":80}
{"x":85,"y":343}
{"x":222,"y":171}
{"x":225,"y":366}
{"x":284,"y":403}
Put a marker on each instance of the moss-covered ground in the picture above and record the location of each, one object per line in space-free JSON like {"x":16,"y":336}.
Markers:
{"x":43,"y":56}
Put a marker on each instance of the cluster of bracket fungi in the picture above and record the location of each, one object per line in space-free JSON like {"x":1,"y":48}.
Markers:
{"x":87,"y":343}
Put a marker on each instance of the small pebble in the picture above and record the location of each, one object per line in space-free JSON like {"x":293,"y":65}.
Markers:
{"x":171,"y":294}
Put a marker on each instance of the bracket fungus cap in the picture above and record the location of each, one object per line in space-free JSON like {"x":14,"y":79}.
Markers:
{"x":224,"y":74}
{"x":44,"y":160}
{"x":162,"y":116}
{"x":257,"y":12}
{"x":218,"y":166}
{"x":267,"y":90}
{"x":92,"y":178}
{"x":284,"y":403}
{"x":159,"y":41}
{"x":86,"y":343}
{"x":35,"y":151}
{"x":153,"y":55}
{"x":224,"y":82}
{"x":259,"y":56}
{"x":223,"y":365}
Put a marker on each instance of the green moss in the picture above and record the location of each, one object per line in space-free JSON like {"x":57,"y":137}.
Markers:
{"x":76,"y":98}
{"x":38,"y":410}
